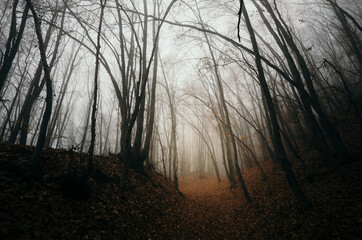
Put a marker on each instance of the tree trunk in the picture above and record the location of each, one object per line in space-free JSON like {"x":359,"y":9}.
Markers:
{"x":35,"y":158}
{"x":95,"y":92}
{"x":306,"y":204}
{"x":12,"y":44}
{"x":228,"y":124}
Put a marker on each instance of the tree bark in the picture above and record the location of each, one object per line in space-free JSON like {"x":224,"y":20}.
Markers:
{"x":95,"y":92}
{"x":12,"y":44}
{"x":281,"y":155}
{"x":35,"y":158}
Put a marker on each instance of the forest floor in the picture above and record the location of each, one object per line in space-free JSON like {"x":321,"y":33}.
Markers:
{"x":34,"y":208}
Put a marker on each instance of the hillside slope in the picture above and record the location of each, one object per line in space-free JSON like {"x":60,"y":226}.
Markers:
{"x":36,"y":209}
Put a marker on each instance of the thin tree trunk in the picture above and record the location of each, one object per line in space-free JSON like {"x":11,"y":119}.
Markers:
{"x":95,"y":92}
{"x":87,"y":118}
{"x":228,"y":124}
{"x":306,"y":204}
{"x":12,"y":44}
{"x":35,"y":158}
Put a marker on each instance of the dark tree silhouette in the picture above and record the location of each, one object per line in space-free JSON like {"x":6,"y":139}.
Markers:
{"x":35,"y":159}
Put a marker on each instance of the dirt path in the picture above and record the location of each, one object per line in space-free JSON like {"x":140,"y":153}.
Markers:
{"x":210,"y":209}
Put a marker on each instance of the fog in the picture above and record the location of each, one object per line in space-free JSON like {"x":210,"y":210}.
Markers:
{"x":207,"y":83}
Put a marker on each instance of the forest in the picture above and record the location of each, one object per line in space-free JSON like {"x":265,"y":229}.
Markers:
{"x":180,"y":119}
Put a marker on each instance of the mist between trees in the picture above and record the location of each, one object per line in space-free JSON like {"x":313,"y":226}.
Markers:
{"x":167,"y":85}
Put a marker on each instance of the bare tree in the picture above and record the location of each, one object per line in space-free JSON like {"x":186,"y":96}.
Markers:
{"x":173,"y":155}
{"x":35,"y":158}
{"x":12,"y":44}
{"x":281,"y":155}
{"x":37,"y":84}
{"x":95,"y":91}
